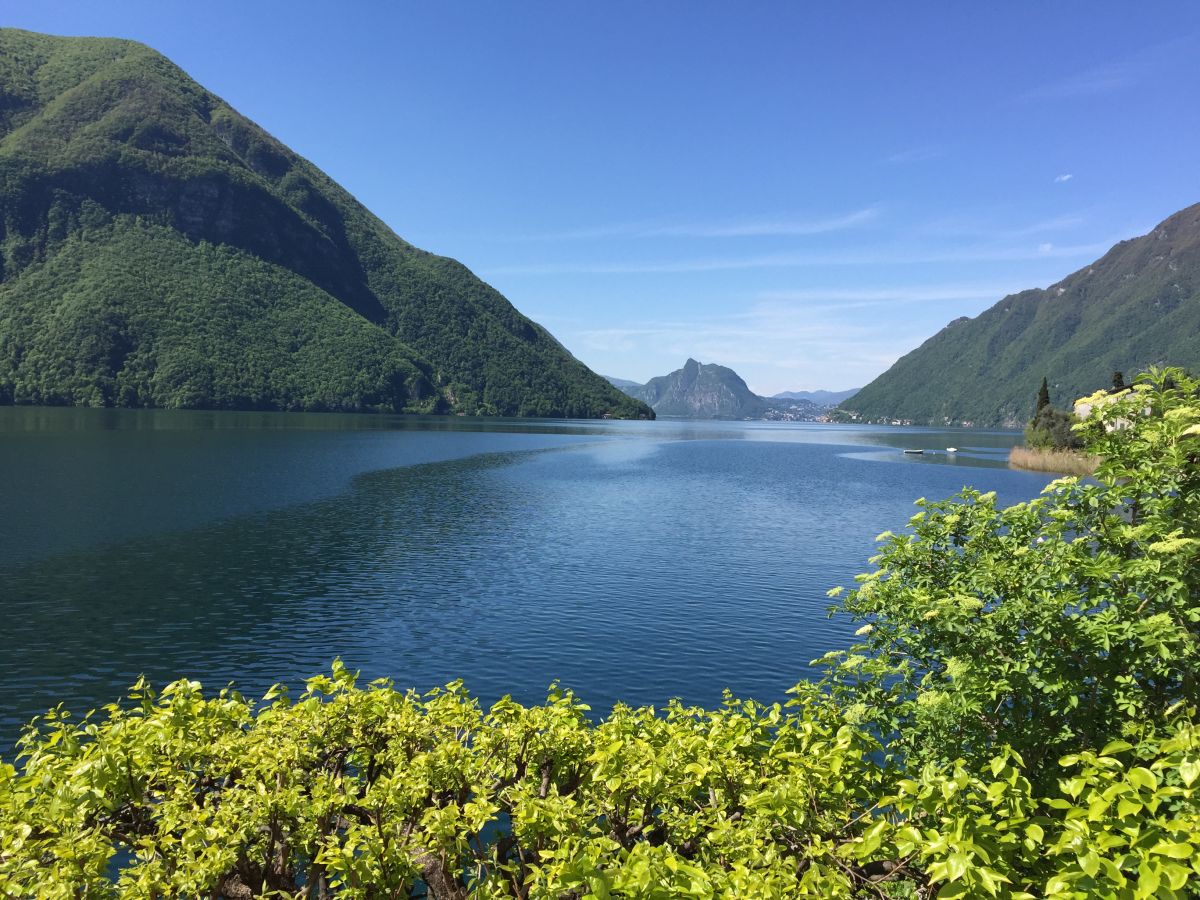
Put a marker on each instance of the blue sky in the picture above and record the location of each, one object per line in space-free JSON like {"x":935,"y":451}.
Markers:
{"x":803,"y":192}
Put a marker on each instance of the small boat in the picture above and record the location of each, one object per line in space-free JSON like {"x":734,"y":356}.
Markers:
{"x":951,"y":449}
{"x":915,"y":452}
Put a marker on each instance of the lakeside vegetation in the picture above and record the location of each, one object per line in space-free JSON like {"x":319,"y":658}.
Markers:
{"x":1018,"y":718}
{"x":1061,"y":462}
{"x":1052,"y":441}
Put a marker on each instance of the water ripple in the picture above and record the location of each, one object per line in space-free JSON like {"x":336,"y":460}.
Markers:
{"x":631,"y":569}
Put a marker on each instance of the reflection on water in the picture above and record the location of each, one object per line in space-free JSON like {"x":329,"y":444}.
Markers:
{"x":637,"y":561}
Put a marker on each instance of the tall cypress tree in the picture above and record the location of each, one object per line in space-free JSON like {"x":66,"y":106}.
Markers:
{"x":1118,"y":382}
{"x":1043,"y":399}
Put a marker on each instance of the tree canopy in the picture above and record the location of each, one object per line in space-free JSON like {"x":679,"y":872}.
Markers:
{"x":1051,"y":428}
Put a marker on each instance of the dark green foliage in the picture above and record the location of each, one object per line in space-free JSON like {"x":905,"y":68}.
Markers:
{"x":1136,"y":307}
{"x":1043,"y":397}
{"x":1051,"y":429}
{"x":157,"y":248}
{"x":134,"y":314}
{"x":1118,"y":382}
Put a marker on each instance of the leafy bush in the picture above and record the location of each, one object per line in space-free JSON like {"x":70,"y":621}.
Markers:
{"x":1053,"y":429}
{"x":1018,"y":721}
{"x":1049,"y":625}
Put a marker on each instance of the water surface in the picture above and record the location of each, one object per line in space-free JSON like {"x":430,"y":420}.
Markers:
{"x":630,"y":561}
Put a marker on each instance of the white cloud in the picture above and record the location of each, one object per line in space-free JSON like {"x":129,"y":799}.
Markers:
{"x":889,"y":257}
{"x":1062,"y":179}
{"x":744,"y":227}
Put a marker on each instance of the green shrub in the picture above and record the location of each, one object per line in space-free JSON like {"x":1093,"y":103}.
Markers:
{"x":1053,"y":429}
{"x":1047,"y":626}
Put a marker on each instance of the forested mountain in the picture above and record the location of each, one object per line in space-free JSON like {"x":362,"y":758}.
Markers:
{"x":159,"y":249}
{"x":700,"y":391}
{"x":1137,"y":306}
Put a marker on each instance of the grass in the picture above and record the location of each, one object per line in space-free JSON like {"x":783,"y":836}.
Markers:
{"x":1064,"y":462}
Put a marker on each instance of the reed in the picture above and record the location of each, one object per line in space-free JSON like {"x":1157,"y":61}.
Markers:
{"x":1064,"y":462}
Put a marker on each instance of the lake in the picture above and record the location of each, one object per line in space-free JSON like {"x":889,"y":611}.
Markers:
{"x":632,"y":561}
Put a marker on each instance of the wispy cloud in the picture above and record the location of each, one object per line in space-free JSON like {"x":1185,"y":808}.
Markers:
{"x":890,"y":257}
{"x":1101,"y":80}
{"x":1063,"y":179}
{"x":1111,"y":77}
{"x":915,"y":155}
{"x":749,"y":337}
{"x":1058,"y":223}
{"x":981,"y":229}
{"x":765,"y":338}
{"x":744,"y":227}
{"x":765,"y":227}
{"x":813,"y":299}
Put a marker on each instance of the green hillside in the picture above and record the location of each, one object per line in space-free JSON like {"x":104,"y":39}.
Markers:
{"x":159,"y":249}
{"x":1137,"y":306}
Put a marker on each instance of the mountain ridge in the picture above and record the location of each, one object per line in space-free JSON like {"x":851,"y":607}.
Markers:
{"x":1137,"y":306}
{"x":820,"y":397}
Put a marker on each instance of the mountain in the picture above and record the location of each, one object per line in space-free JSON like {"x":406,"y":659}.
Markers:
{"x":621,"y":384}
{"x":1137,"y":306}
{"x":700,"y":392}
{"x":708,"y":391}
{"x":157,"y":248}
{"x":820,"y":398}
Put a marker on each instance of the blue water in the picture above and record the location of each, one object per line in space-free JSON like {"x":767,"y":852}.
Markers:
{"x":630,"y":561}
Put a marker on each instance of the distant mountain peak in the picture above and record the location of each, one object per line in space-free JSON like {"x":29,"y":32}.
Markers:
{"x":699,"y":390}
{"x":820,"y":398}
{"x":709,"y":391}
